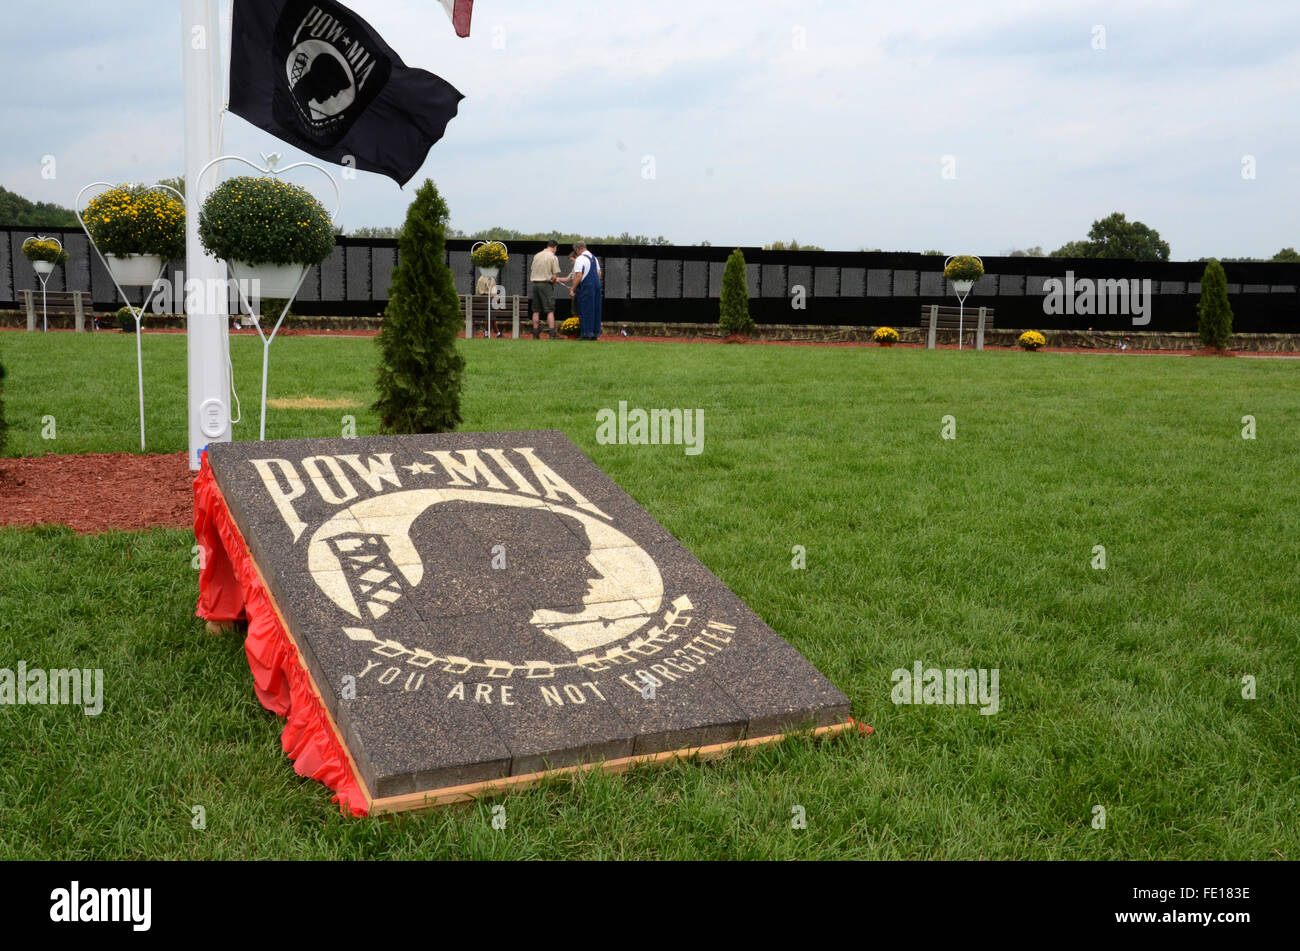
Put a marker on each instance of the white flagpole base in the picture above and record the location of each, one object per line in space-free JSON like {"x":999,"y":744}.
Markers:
{"x":207,"y":323}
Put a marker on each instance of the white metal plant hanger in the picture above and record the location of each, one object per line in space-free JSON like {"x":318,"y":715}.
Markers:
{"x":492,"y":272}
{"x":963,"y":291}
{"x":44,"y":275}
{"x":272,"y":160}
{"x":153,"y":286}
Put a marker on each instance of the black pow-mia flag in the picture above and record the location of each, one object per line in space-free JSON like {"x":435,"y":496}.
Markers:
{"x":313,"y":73}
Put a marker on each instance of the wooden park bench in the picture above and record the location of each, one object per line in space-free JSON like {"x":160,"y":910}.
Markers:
{"x":478,"y":311}
{"x":935,"y":318}
{"x":57,"y":304}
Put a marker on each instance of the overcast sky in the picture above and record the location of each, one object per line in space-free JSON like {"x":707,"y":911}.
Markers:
{"x":828,"y":122}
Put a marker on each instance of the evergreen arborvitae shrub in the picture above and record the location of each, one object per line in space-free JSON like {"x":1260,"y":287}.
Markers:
{"x":735,"y":317}
{"x":420,"y":369}
{"x":1213,"y":312}
{"x":270,"y":309}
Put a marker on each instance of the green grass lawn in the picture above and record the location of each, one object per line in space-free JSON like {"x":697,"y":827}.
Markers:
{"x":1119,"y":687}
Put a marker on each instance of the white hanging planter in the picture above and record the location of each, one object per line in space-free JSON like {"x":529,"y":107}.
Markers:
{"x":962,"y":288}
{"x":492,"y":272}
{"x":134,"y":269}
{"x":43,"y":267}
{"x":274,"y":280}
{"x":126,"y":270}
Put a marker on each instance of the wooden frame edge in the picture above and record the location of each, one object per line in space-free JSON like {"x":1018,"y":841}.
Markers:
{"x":471,"y":791}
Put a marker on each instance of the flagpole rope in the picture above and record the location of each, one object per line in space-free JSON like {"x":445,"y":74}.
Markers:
{"x":224,"y":79}
{"x":229,"y":47}
{"x":230,"y":370}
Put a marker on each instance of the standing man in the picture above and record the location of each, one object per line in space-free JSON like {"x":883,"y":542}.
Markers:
{"x":584,"y":286}
{"x":545,"y":272}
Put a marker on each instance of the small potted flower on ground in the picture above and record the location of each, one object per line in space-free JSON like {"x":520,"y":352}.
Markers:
{"x":136,"y":229}
{"x":570,"y":327}
{"x":885,"y":336}
{"x":489,"y":257}
{"x":125,"y":318}
{"x":266,"y":230}
{"x":1031,"y":340}
{"x":963,"y":270}
{"x":44,"y":253}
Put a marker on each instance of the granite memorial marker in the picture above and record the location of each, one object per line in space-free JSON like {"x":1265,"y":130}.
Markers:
{"x":472,"y":606}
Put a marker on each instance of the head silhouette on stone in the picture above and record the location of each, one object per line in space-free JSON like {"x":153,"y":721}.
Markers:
{"x":546,"y":558}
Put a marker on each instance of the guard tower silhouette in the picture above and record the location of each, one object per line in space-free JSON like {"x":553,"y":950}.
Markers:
{"x":373,"y":579}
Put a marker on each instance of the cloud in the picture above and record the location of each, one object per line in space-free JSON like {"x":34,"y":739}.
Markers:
{"x":823,"y":121}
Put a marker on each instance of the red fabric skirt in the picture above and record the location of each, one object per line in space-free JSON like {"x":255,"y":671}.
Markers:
{"x":230,"y":589}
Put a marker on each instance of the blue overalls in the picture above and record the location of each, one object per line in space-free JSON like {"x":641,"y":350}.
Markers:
{"x":589,"y":300}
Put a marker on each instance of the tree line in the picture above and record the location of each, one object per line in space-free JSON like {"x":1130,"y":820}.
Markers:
{"x":1114,"y":237}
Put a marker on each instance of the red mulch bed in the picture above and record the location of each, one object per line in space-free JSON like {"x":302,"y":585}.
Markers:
{"x":95,"y":492}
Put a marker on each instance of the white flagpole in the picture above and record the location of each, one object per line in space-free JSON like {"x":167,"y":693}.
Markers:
{"x":207,"y":322}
